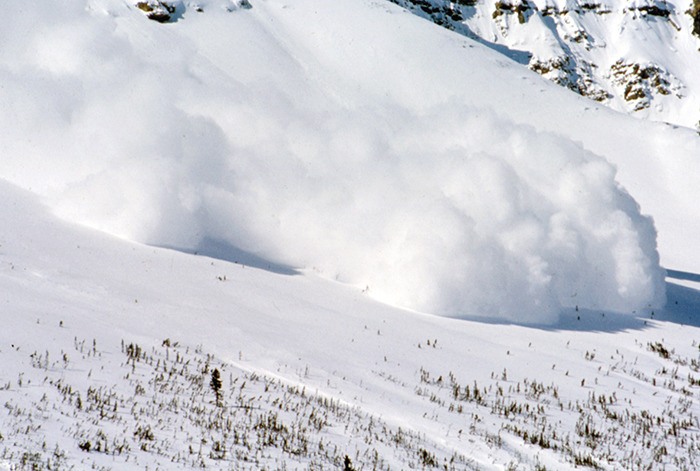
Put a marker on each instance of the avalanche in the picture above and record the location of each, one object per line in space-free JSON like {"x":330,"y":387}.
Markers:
{"x":345,"y":145}
{"x":283,"y":147}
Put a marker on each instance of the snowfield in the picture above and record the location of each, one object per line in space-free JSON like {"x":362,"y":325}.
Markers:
{"x":397,"y":249}
{"x":108,"y":349}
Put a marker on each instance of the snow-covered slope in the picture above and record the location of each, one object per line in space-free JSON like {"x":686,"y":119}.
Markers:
{"x":108,"y":350}
{"x":314,"y":140}
{"x":639,"y":57}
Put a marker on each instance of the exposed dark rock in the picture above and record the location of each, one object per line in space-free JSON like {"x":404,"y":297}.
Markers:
{"x":592,"y":7}
{"x":157,"y":10}
{"x":582,"y":8}
{"x":544,"y":67}
{"x":520,"y":7}
{"x":563,"y":71}
{"x":659,"y":9}
{"x":443,"y":13}
{"x":654,"y":10}
{"x":640,"y":83}
{"x":579,"y":36}
{"x":694,"y":12}
{"x":455,"y":15}
{"x":550,"y":10}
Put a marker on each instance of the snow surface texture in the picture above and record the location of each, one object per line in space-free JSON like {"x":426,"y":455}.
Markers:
{"x":107,"y":351}
{"x":274,"y":140}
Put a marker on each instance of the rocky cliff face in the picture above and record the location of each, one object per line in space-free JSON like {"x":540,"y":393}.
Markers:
{"x":694,"y":13}
{"x":637,"y":56}
{"x":170,"y":11}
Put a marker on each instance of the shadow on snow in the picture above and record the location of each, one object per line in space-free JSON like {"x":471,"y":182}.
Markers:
{"x":682,"y":307}
{"x":222,"y":250}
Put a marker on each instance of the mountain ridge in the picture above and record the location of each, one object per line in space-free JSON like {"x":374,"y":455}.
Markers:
{"x":638,"y":57}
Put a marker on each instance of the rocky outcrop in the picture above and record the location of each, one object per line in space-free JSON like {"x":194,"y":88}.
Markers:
{"x":170,"y":11}
{"x":639,"y":83}
{"x":580,"y":8}
{"x":658,"y":9}
{"x":560,"y":70}
{"x":694,"y":13}
{"x":443,"y":13}
{"x":571,"y":42}
{"x":563,"y":71}
{"x":157,"y":10}
{"x":522,"y":8}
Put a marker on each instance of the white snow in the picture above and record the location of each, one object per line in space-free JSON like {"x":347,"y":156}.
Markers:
{"x":314,"y":146}
{"x":578,"y":44}
{"x":379,"y":381}
{"x":343,"y":153}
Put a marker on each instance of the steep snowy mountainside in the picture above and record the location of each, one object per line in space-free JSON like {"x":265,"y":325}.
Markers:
{"x":639,"y":57}
{"x":307,"y":143}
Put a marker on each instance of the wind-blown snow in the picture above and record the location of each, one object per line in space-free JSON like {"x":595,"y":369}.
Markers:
{"x":172,"y":134}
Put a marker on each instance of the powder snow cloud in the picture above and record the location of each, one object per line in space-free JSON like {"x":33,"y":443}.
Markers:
{"x":451,"y":209}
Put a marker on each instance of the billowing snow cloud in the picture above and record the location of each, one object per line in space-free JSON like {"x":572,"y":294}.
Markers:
{"x":449,"y":209}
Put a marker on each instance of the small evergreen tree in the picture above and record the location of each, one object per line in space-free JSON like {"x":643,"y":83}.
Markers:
{"x":216,"y":384}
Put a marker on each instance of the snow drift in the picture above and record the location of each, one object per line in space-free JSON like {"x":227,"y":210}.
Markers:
{"x":229,"y":129}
